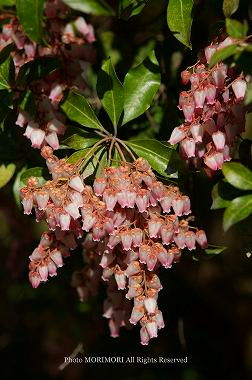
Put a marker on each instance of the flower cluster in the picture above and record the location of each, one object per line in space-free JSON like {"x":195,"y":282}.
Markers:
{"x":213,"y":111}
{"x":70,"y":42}
{"x":135,"y":225}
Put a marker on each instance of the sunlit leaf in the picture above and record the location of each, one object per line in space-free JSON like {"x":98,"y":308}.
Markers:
{"x":95,"y":7}
{"x":240,"y":208}
{"x":140,"y":86}
{"x":30,"y":14}
{"x":238,"y":175}
{"x":79,"y":110}
{"x":6,"y":173}
{"x":229,"y":7}
{"x":179,"y":19}
{"x":156,"y":153}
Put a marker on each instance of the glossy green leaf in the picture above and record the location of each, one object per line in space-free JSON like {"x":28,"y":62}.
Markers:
{"x":79,"y":155}
{"x":240,"y":208}
{"x":95,"y":7}
{"x":90,"y":167}
{"x":222,"y":194}
{"x":238,"y":175}
{"x":236,"y":29}
{"x":229,"y":7}
{"x":156,"y":153}
{"x":102,"y":162}
{"x":6,"y":73}
{"x":30,"y":14}
{"x":248,"y":96}
{"x":218,"y":201}
{"x":222,"y":54}
{"x":110,"y":91}
{"x":6,"y":173}
{"x":32,"y":172}
{"x":27,"y":103}
{"x":214,"y":249}
{"x":129,"y":8}
{"x":140,"y":86}
{"x":36,"y":69}
{"x":79,"y":110}
{"x":179,"y":19}
{"x":80,"y":139}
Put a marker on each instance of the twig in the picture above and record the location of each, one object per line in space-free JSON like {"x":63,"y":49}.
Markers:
{"x":78,"y":349}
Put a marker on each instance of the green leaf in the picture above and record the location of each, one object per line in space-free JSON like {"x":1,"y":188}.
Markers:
{"x":17,"y":186}
{"x":237,"y":175}
{"x":110,"y":91}
{"x":27,"y":103}
{"x":229,"y":7}
{"x":6,"y":173}
{"x":248,"y":96}
{"x":214,"y":249}
{"x":179,"y":19}
{"x":224,"y":53}
{"x":129,"y":8}
{"x":30,"y":14}
{"x":116,"y":160}
{"x":218,"y":201}
{"x":156,"y":153}
{"x":92,"y":162}
{"x":102,"y":162}
{"x":6,"y":73}
{"x":80,"y":139}
{"x":7,"y":3}
{"x":236,"y":29}
{"x":140,"y":86}
{"x":222,"y":194}
{"x":240,"y":208}
{"x":32,"y":172}
{"x":36,"y":69}
{"x":95,"y":7}
{"x":79,"y":110}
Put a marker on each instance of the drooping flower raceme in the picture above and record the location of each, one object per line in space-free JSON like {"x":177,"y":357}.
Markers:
{"x":69,"y":40}
{"x":213,"y":110}
{"x":132,"y":224}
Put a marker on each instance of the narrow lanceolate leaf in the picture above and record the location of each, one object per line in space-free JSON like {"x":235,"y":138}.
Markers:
{"x":236,"y":29}
{"x":6,"y":172}
{"x":102,"y":162}
{"x":79,"y":139}
{"x":214,"y":249}
{"x":240,"y":208}
{"x":248,"y":96}
{"x":79,"y":110}
{"x":229,"y":7}
{"x":129,"y":8}
{"x":222,"y":54}
{"x":179,"y":19}
{"x":156,"y":153}
{"x":95,"y":7}
{"x":110,"y":91}
{"x":238,"y":175}
{"x":90,"y":161}
{"x":30,"y":14}
{"x":140,"y":86}
{"x":6,"y":73}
